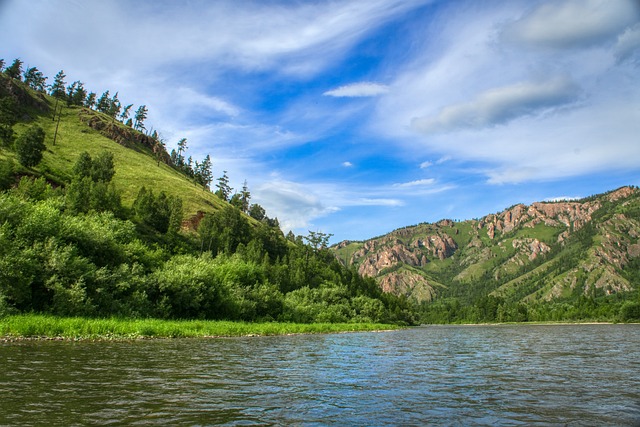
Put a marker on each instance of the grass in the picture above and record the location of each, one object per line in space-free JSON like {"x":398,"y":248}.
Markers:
{"x":135,"y":167}
{"x":74,"y":328}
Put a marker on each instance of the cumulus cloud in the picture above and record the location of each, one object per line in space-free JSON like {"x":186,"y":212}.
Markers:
{"x":362,"y":89}
{"x":347,"y":164}
{"x":573,"y":23}
{"x":500,"y":105}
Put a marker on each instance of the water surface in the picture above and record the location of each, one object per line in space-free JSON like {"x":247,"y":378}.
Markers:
{"x":438,"y":375}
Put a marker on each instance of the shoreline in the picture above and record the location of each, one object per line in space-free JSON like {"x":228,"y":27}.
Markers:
{"x":542,"y":323}
{"x":35,"y":327}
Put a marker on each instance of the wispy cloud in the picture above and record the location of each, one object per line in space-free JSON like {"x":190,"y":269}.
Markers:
{"x":628,"y":44}
{"x":363,"y":89}
{"x":417,"y":183}
{"x":500,"y":105}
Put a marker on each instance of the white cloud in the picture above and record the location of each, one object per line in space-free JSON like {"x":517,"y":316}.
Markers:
{"x":425,"y":165}
{"x":628,"y":44}
{"x":294,"y":205}
{"x":362,"y":89}
{"x":573,"y":23}
{"x":417,"y":183}
{"x":347,"y":164}
{"x":299,"y":38}
{"x":187,"y":97}
{"x":500,"y":105}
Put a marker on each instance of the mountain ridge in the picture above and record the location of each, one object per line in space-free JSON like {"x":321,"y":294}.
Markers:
{"x":520,"y":247}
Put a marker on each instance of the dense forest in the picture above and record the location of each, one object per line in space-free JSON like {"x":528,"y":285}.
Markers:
{"x":70,"y":245}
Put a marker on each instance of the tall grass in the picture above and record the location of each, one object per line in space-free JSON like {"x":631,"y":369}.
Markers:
{"x":43,"y":326}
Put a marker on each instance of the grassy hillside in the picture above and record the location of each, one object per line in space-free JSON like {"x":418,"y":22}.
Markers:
{"x":70,"y":245}
{"x":135,"y":164}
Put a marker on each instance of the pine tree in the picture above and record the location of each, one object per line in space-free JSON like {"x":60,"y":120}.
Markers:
{"x":125,"y":113}
{"x":91,"y":100}
{"x":58,"y":86}
{"x":224,"y":190}
{"x":15,"y":70}
{"x":182,"y":148}
{"x":205,"y":171}
{"x":245,"y":196}
{"x":78,"y":96}
{"x":140,"y":117}
{"x":35,"y":79}
{"x":104,"y":103}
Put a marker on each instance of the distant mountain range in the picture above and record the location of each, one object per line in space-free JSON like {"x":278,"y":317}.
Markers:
{"x":547,"y":251}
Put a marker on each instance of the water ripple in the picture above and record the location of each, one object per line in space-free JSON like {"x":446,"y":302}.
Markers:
{"x":576,"y":375}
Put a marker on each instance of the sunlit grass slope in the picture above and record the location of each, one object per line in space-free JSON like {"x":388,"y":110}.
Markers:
{"x":135,"y":166}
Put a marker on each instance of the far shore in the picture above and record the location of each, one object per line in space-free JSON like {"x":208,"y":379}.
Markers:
{"x":541,"y":323}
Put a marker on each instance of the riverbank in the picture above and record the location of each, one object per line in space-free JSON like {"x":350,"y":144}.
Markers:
{"x":43,"y":327}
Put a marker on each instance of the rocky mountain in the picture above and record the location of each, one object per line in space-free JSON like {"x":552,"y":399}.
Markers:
{"x":542,"y":252}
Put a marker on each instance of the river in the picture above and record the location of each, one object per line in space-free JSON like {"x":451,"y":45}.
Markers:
{"x":576,"y":375}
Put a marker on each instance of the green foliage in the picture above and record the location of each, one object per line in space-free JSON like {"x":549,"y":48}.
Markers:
{"x":7,"y":169}
{"x":35,"y":79}
{"x":126,"y":329}
{"x":58,"y":86}
{"x":163,"y":213}
{"x":15,"y":69}
{"x":30,"y":145}
{"x":630,"y":311}
{"x":8,"y":112}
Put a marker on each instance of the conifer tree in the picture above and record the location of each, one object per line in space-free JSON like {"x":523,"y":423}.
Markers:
{"x":182,"y":148}
{"x":125,"y":113}
{"x":91,"y":100}
{"x":58,"y":86}
{"x":35,"y":79}
{"x":15,"y":70}
{"x":104,"y":102}
{"x":140,"y":117}
{"x":224,"y":190}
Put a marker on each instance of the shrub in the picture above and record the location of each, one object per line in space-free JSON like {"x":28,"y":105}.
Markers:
{"x":30,"y":145}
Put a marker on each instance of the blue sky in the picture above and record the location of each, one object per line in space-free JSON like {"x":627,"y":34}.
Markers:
{"x":358,"y":117}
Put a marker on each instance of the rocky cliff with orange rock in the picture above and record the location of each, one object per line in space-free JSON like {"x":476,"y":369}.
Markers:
{"x":544,"y":251}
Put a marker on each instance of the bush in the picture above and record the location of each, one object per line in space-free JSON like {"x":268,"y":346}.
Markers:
{"x":630,"y":311}
{"x":6,"y":173}
{"x":30,"y":145}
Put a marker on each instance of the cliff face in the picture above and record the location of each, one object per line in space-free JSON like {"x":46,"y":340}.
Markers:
{"x":599,"y":235}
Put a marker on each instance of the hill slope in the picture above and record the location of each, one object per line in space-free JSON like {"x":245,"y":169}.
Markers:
{"x":82,"y":129}
{"x":545,"y":252}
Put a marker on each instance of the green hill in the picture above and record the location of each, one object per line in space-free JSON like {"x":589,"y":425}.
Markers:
{"x":79,"y":237}
{"x":135,"y":163}
{"x":566,"y":260}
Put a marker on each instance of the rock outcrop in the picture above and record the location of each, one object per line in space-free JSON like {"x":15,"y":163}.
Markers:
{"x":506,"y":244}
